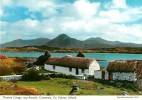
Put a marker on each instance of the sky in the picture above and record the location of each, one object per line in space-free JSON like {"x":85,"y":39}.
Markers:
{"x":114,"y":20}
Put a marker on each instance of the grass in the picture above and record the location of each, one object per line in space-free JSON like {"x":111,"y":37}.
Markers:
{"x":59,"y":86}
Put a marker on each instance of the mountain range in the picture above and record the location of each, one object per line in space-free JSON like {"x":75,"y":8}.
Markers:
{"x":64,"y":41}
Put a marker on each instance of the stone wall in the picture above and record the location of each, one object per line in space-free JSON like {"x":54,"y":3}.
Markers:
{"x":11,"y":77}
{"x":131,"y":76}
{"x":139,"y":84}
{"x":106,"y":75}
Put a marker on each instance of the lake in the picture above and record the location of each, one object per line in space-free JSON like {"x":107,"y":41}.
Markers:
{"x":102,"y":56}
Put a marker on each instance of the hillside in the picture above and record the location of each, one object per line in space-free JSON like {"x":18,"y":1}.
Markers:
{"x":21,"y":43}
{"x":64,"y":41}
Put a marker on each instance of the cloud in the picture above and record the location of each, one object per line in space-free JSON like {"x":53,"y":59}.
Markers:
{"x":80,"y":19}
{"x":119,"y":4}
{"x":3,"y":4}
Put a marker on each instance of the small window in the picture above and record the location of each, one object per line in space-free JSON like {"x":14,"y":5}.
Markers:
{"x":82,"y":70}
{"x":70,"y":69}
{"x":53,"y":67}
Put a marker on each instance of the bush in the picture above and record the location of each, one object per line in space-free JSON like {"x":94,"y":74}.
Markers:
{"x":1,"y":79}
{"x":30,"y":65}
{"x":19,"y":59}
{"x":33,"y":75}
{"x":5,"y":70}
{"x":19,"y":69}
{"x":60,"y":75}
{"x":26,"y":91}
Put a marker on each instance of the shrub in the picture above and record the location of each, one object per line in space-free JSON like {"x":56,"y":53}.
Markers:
{"x":1,"y":79}
{"x":61,"y":75}
{"x":19,"y":59}
{"x":30,"y":65}
{"x":19,"y":69}
{"x":26,"y":91}
{"x":5,"y":70}
{"x":31,"y":75}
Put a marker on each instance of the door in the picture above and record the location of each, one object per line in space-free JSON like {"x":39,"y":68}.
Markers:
{"x":77,"y":71}
{"x":103,"y":75}
{"x":110,"y":76}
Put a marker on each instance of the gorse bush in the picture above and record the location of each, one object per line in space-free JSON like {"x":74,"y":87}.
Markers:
{"x":10,"y":88}
{"x":9,"y":66}
{"x":26,"y":91}
{"x":19,"y":69}
{"x":5,"y":70}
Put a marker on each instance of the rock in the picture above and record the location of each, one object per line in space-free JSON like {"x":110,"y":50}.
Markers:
{"x":74,"y":89}
{"x":100,"y":88}
{"x":124,"y":93}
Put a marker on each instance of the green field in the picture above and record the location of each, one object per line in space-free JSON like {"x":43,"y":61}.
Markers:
{"x":59,"y":86}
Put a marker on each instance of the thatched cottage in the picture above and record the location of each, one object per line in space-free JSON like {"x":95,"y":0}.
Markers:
{"x":121,"y":70}
{"x":72,"y":65}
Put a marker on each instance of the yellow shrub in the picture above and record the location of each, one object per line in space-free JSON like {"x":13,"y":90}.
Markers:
{"x":26,"y":91}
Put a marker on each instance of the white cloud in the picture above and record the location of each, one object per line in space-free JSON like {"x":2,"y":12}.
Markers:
{"x":86,"y":9}
{"x":81,"y":19}
{"x":4,"y":3}
{"x":45,"y":7}
{"x":119,"y":3}
{"x":1,"y":11}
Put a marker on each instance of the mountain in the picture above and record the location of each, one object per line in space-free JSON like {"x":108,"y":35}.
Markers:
{"x":64,"y":41}
{"x":102,"y":43}
{"x":97,"y":43}
{"x":21,"y":43}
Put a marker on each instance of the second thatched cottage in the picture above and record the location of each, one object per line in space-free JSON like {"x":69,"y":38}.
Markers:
{"x":72,"y":65}
{"x":129,"y":70}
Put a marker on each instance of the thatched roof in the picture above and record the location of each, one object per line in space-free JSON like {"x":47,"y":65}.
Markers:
{"x":124,"y":65}
{"x":74,"y":62}
{"x":139,"y":69}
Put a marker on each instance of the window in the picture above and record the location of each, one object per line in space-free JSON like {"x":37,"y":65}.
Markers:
{"x":82,"y":70}
{"x":53,"y":67}
{"x":70,"y":69}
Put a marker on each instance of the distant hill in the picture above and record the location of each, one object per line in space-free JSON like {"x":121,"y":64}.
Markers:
{"x":97,"y":43}
{"x":64,"y":41}
{"x":102,"y":43}
{"x":21,"y":43}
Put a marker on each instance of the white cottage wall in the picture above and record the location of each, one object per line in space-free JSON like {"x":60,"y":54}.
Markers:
{"x":93,"y":66}
{"x":66,"y":70}
{"x":98,"y":74}
{"x":86,"y":71}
